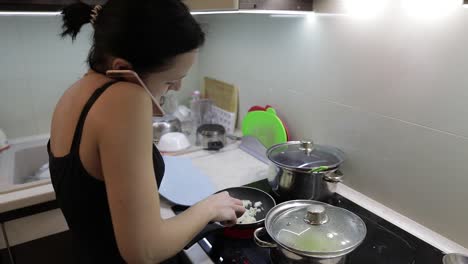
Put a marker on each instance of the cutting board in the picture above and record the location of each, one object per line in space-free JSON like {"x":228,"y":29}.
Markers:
{"x":225,"y":98}
{"x":224,"y":95}
{"x":265,"y":126}
{"x":183,"y":183}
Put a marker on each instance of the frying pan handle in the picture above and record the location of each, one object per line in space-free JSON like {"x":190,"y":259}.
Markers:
{"x":261,"y":243}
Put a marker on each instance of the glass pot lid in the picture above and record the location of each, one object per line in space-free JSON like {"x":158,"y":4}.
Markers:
{"x":304,"y":155}
{"x":315,"y":229}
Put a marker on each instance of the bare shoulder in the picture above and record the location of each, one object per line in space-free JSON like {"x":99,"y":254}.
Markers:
{"x":123,"y":104}
{"x":126,"y":94}
{"x":123,"y":97}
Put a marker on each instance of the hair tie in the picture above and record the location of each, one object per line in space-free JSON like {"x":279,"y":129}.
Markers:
{"x":95,"y":13}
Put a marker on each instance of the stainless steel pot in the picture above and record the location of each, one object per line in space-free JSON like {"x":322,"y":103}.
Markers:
{"x":302,"y":170}
{"x":211,"y":136}
{"x":165,"y":124}
{"x":306,"y":231}
{"x":455,"y":258}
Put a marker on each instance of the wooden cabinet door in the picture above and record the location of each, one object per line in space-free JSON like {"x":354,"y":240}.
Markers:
{"x":198,"y":5}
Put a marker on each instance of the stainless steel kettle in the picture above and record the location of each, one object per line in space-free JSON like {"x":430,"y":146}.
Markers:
{"x":3,"y":141}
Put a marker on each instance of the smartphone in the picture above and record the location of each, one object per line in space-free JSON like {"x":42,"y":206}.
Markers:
{"x":132,"y":76}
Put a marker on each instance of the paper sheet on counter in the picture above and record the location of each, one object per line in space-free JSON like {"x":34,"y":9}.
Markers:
{"x":183,"y":183}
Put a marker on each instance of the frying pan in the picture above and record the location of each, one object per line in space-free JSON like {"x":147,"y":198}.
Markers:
{"x":241,"y":193}
{"x":254,"y":195}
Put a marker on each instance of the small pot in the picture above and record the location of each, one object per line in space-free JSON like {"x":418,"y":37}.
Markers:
{"x":211,"y":136}
{"x":306,"y":231}
{"x":302,"y":170}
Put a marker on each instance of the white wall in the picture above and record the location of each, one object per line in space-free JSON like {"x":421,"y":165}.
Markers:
{"x":36,"y":67}
{"x":392,"y":92}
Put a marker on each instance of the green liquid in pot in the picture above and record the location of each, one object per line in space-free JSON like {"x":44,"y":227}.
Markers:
{"x":311,"y":241}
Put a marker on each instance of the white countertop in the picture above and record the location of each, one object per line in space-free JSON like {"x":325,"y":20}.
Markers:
{"x":233,"y":167}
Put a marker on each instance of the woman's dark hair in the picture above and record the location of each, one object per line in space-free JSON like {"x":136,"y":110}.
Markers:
{"x":146,"y":33}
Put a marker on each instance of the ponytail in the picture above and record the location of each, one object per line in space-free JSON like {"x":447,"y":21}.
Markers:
{"x":74,"y":17}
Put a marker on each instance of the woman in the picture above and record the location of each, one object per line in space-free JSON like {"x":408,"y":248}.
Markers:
{"x":104,"y":167}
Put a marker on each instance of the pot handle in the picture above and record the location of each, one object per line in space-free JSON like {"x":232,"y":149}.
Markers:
{"x":215,"y":145}
{"x":333,"y":176}
{"x":260,"y":242}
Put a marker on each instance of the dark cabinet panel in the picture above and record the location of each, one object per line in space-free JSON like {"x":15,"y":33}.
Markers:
{"x":54,"y":249}
{"x":4,"y":257}
{"x":33,"y":5}
{"x":39,"y":5}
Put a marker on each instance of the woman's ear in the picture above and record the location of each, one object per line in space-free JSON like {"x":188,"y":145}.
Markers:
{"x":121,"y":64}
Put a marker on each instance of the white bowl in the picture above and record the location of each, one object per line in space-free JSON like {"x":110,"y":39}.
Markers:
{"x":173,"y":142}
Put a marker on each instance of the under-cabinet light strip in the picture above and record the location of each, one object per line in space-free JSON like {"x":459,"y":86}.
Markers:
{"x":28,"y":13}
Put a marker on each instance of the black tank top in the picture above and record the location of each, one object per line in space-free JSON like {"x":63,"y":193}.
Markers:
{"x":83,"y":200}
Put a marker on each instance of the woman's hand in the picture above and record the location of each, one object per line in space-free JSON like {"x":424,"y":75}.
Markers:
{"x":224,"y":208}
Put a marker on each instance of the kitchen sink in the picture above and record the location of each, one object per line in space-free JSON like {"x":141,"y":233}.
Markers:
{"x":19,"y":164}
{"x":27,"y":162}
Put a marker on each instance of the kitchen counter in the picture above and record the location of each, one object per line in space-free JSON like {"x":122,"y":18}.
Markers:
{"x":233,"y":167}
{"x":13,"y":196}
{"x":22,"y":195}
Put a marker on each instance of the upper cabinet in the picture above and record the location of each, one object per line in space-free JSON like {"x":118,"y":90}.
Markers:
{"x":39,"y":5}
{"x":195,"y":5}
{"x":285,"y":5}
{"x":210,"y":5}
{"x":32,"y":5}
{"x":219,"y":5}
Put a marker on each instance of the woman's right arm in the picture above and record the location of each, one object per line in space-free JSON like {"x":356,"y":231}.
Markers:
{"x":123,"y":121}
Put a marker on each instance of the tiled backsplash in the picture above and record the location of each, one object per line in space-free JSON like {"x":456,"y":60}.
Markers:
{"x":392,"y":92}
{"x":37,"y":66}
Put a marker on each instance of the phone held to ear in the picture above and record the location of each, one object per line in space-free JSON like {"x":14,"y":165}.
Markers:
{"x":132,"y":76}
